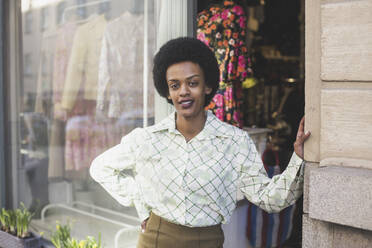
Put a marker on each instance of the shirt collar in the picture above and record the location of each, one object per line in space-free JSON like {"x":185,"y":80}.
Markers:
{"x":213,"y":126}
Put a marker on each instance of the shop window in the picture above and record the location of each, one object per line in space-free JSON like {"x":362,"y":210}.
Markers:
{"x":82,"y":10}
{"x":104,"y":8}
{"x":28,"y":22}
{"x":27,"y":65}
{"x":43,"y":19}
{"x":44,"y":63}
{"x":60,"y":10}
{"x":82,"y":90}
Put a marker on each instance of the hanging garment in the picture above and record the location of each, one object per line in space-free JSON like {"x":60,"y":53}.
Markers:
{"x":64,"y":39}
{"x":120,"y":80}
{"x":56,"y":164}
{"x":86,"y":139}
{"x":64,"y":43}
{"x":223,"y":29}
{"x":43,"y":100}
{"x":82,"y":69}
{"x":264,"y":229}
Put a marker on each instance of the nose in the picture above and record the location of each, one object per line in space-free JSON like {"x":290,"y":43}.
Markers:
{"x":184,"y":89}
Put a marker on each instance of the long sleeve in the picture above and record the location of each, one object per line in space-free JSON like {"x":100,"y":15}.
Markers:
{"x":114,"y":170}
{"x":75,"y":71}
{"x":104,"y":78}
{"x":272,"y":195}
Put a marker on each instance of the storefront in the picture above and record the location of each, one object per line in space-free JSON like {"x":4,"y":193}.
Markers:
{"x":77,"y":77}
{"x":83,"y":80}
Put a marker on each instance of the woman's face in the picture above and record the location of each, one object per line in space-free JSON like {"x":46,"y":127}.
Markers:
{"x":187,"y":89}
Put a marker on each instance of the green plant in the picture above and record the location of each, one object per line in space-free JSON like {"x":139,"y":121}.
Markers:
{"x":23,"y":219}
{"x":90,"y":242}
{"x":4,"y":220}
{"x":11,"y":221}
{"x":62,"y":239}
{"x":61,"y":236}
{"x":16,"y":221}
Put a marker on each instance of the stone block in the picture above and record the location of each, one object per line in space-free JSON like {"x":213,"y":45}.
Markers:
{"x":341,"y":195}
{"x":322,"y":234}
{"x":308,"y":167}
{"x":316,"y":234}
{"x":346,"y":41}
{"x":346,"y":130}
{"x":312,"y":79}
{"x":348,"y":237}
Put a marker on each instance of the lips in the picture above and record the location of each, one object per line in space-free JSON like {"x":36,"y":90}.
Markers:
{"x":186,"y":103}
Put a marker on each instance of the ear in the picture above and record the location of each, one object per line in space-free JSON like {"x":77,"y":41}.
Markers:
{"x":168,"y":97}
{"x":208,"y":90}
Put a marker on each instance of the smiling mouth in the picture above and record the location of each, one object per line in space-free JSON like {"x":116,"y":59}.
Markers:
{"x":186,"y":104}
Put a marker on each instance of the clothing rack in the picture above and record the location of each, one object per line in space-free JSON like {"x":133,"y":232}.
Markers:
{"x":80,"y":6}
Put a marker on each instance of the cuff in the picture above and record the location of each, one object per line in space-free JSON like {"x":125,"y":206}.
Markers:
{"x":295,"y":159}
{"x":142,"y":210}
{"x":296,"y":165}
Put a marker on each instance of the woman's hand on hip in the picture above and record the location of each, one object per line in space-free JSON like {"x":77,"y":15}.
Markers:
{"x":143,"y":225}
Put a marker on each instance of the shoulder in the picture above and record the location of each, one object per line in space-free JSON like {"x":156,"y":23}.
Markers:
{"x":165,"y":124}
{"x":136,"y":137}
{"x":223,"y":129}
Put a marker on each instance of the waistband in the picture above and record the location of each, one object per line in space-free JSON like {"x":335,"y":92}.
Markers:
{"x":179,"y":227}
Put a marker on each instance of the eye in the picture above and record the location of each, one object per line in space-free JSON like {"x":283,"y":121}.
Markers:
{"x":193,"y":83}
{"x":173,"y":86}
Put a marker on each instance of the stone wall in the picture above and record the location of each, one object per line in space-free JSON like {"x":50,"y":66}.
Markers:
{"x":338,"y":192}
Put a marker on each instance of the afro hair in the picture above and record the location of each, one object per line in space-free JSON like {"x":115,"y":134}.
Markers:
{"x":181,"y":50}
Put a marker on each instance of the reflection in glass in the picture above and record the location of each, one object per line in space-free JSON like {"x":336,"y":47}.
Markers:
{"x":82,"y":91}
{"x":43,"y":19}
{"x":82,"y":10}
{"x":28,"y":22}
{"x":60,"y":9}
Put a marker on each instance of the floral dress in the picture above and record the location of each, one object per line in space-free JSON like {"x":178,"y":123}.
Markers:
{"x":223,"y":29}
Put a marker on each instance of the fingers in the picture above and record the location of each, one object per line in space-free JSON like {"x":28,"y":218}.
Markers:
{"x":307,"y":135}
{"x":143,"y":225}
{"x":301,"y":127}
{"x":302,"y":138}
{"x":302,"y":122}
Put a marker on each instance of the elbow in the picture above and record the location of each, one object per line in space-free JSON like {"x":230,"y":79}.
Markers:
{"x":94,"y":168}
{"x":272,"y":210}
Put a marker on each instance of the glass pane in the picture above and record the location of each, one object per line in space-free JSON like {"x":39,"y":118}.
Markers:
{"x":82,"y":90}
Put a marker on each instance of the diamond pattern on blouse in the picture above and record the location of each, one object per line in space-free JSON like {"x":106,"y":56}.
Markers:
{"x":195,"y":183}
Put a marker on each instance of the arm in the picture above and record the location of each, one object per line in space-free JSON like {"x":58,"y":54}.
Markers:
{"x":114,"y":169}
{"x":282,"y":190}
{"x":272,"y":195}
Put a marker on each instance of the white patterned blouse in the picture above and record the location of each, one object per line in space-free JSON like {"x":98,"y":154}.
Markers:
{"x":193,"y":183}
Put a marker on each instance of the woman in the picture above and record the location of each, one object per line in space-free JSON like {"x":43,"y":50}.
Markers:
{"x":183,"y":173}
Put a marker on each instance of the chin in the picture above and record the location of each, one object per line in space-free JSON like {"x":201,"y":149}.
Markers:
{"x":185,"y":114}
{"x":188,"y":113}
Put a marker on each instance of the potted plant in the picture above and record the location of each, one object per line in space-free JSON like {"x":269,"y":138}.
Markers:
{"x":14,"y":229}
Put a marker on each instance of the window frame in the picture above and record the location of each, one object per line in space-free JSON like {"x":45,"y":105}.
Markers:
{"x":12,"y":75}
{"x":3,"y":181}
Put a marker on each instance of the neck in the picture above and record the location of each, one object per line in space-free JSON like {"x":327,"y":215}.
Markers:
{"x":190,"y":127}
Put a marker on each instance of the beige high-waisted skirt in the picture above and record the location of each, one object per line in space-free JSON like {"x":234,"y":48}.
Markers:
{"x":160,"y":233}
